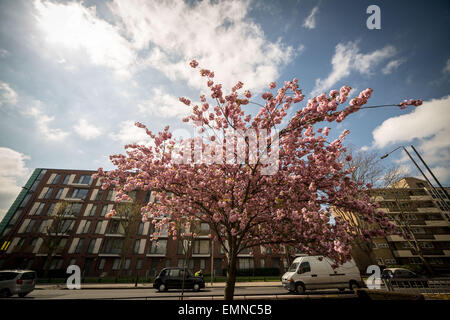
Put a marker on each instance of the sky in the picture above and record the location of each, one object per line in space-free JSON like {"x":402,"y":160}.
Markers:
{"x":75,"y":76}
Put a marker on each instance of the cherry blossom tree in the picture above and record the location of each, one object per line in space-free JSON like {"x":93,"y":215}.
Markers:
{"x":279,"y":193}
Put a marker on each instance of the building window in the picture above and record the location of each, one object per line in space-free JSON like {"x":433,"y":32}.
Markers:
{"x":104,"y":210}
{"x":99,"y":195}
{"x":84,"y":179}
{"x":56,"y":179}
{"x":139,"y":264}
{"x":50,"y":209}
{"x":109,"y":197}
{"x":98,"y":227}
{"x":427,"y":245}
{"x":204,"y":229}
{"x":101,"y":264}
{"x":390,"y":261}
{"x":116,"y":264}
{"x":72,"y":261}
{"x":79,"y":193}
{"x":15,"y":217}
{"x":48,"y":193}
{"x":436,"y":261}
{"x":113,"y":246}
{"x":30,"y":226}
{"x":182,"y":263}
{"x":137,"y":243}
{"x":383,"y":245}
{"x":140,"y":228}
{"x":202,"y":264}
{"x":73,"y":209}
{"x":415,"y":261}
{"x":406,"y":245}
{"x":79,"y":246}
{"x":19,"y":244}
{"x":25,"y":200}
{"x":158,"y":247}
{"x":126,"y":264}
{"x":92,"y":211}
{"x":56,"y":263}
{"x":168,"y":263}
{"x":90,"y":248}
{"x":35,"y":184}
{"x":58,"y":194}
{"x":113,"y":226}
{"x":66,"y":179}
{"x":38,"y":209}
{"x":262,"y":263}
{"x":201,"y":247}
{"x":246,"y":263}
{"x":418,"y":230}
{"x":86,"y":227}
{"x":67,"y":226}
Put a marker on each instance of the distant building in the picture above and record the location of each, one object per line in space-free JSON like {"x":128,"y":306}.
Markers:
{"x":92,"y":241}
{"x":428,"y":218}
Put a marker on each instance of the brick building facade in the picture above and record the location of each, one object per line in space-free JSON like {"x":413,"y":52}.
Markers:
{"x":92,"y":241}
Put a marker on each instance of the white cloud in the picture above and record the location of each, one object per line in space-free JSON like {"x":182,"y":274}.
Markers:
{"x":43,"y":123}
{"x":310,"y":22}
{"x":72,"y":27}
{"x":3,"y":53}
{"x":7,"y":95}
{"x":447,"y":67}
{"x":219,"y":35}
{"x":86,"y":130}
{"x":347,"y":59}
{"x":163,"y":105}
{"x":128,"y":133}
{"x":13,"y":172}
{"x":392,"y":65}
{"x":429,"y":125}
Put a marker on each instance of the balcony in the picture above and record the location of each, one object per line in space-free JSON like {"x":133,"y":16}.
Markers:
{"x":394,"y":238}
{"x":403,"y":253}
{"x":442,"y":237}
{"x":436,"y":223}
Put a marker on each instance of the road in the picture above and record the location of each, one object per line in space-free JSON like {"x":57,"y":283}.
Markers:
{"x":152,"y":294}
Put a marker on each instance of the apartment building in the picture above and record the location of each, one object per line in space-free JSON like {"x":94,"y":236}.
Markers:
{"x":417,"y":205}
{"x":94,"y":242}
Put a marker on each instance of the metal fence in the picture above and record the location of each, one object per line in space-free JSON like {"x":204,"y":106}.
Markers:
{"x":433,"y":286}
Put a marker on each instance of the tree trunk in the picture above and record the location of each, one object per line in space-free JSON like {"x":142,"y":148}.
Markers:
{"x":427,"y":266}
{"x":231,"y":278}
{"x":47,"y":265}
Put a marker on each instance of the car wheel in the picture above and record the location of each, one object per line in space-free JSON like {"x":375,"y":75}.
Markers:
{"x":353,"y":285}
{"x":196,"y":287}
{"x":5,"y":293}
{"x":23,"y":294}
{"x":162,"y":287}
{"x":300,"y":288}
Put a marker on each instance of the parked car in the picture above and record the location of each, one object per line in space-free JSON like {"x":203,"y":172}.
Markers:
{"x":20,"y":282}
{"x":315,"y":272}
{"x":403,"y":277}
{"x":172,"y":278}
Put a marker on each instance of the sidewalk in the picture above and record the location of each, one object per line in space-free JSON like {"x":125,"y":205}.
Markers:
{"x":108,"y":286}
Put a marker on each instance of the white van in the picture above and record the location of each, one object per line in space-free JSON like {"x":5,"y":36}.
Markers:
{"x":315,"y":272}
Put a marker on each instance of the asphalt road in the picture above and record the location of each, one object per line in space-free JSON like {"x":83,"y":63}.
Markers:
{"x":152,"y":294}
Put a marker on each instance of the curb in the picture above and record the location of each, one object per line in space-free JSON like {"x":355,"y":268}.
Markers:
{"x":149,"y":286}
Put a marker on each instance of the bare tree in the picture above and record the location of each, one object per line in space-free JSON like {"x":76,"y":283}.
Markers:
{"x":128,"y":216}
{"x":56,"y":230}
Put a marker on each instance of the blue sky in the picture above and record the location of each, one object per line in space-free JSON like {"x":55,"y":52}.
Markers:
{"x":74,"y":76}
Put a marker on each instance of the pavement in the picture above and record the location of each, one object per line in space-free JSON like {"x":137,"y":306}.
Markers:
{"x":103,"y":286}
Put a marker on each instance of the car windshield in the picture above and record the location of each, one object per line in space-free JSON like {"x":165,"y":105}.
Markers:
{"x":293,"y":267}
